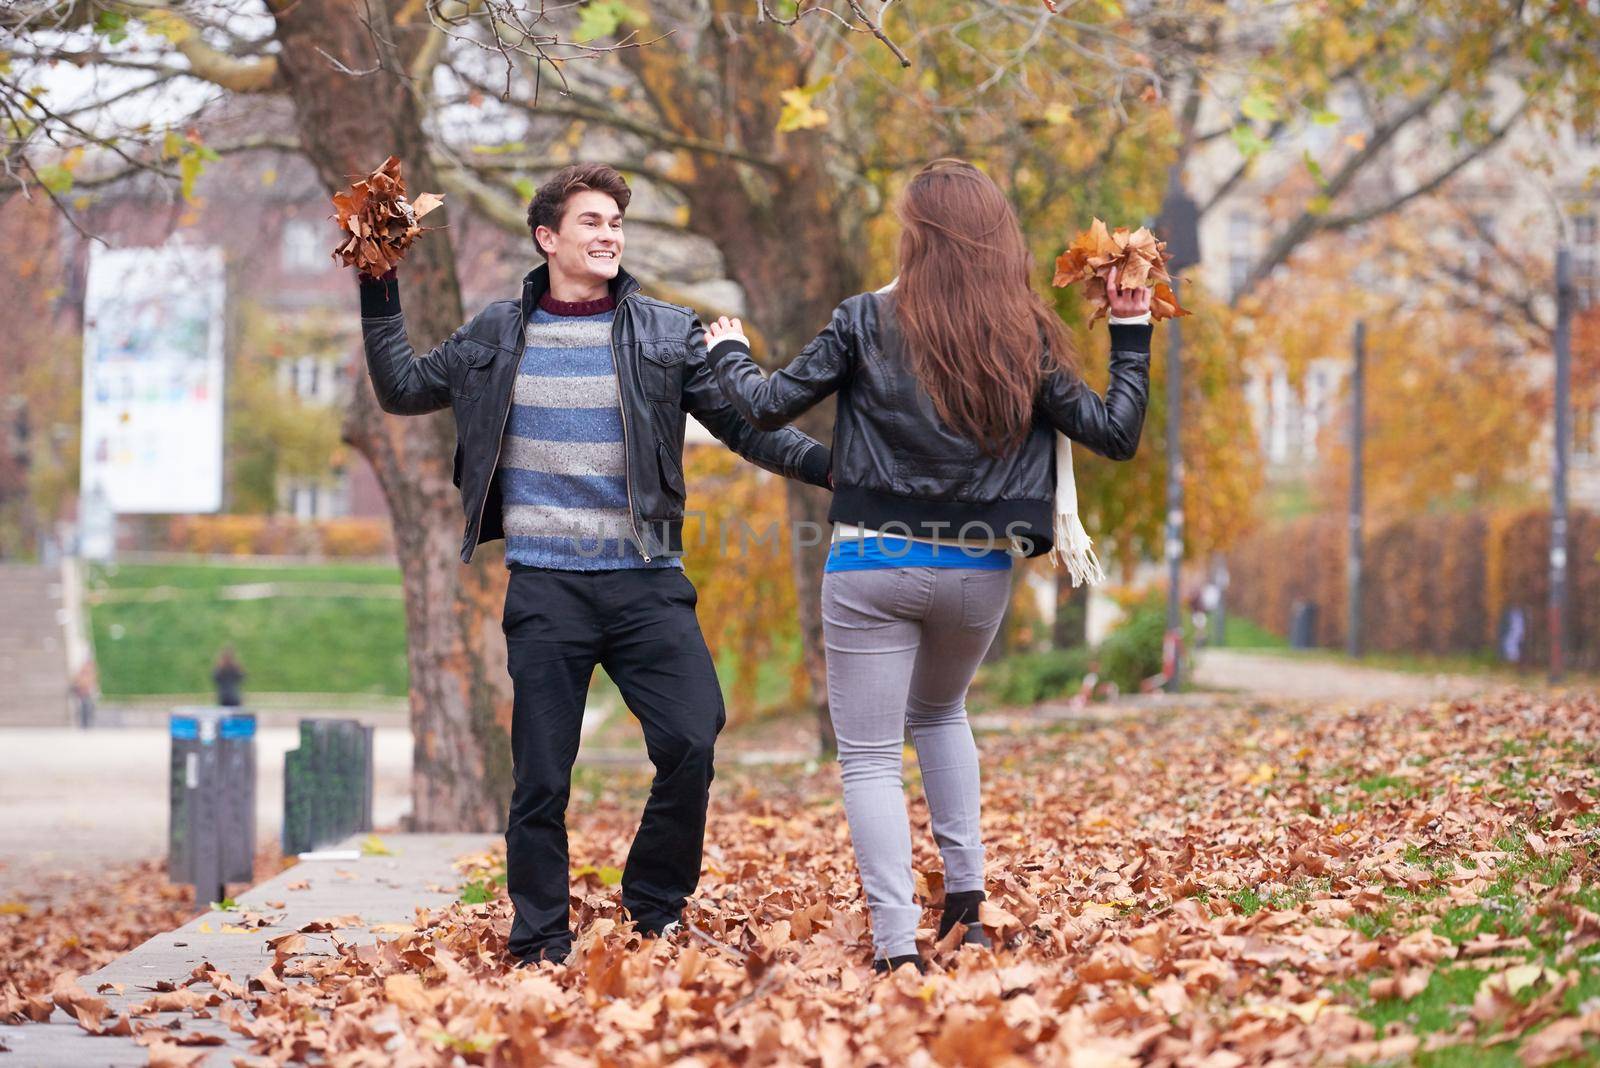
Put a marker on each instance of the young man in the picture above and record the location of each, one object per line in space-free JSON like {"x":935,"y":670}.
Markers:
{"x":569,"y":407}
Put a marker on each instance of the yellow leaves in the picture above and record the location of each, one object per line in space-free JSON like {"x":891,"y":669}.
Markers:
{"x":799,"y":113}
{"x":1263,"y":774}
{"x":1059,"y":114}
{"x":165,"y":24}
{"x":603,"y":876}
{"x":372,"y":845}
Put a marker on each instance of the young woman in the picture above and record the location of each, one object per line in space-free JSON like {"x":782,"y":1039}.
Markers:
{"x":953,"y":384}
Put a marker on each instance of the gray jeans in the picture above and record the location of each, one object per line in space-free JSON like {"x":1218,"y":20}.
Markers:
{"x":903,"y":645}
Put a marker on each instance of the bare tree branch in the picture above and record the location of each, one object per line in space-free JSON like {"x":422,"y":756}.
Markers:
{"x":655,"y":135}
{"x":1343,"y":222}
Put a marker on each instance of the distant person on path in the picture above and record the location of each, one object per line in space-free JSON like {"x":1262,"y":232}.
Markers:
{"x":953,"y":384}
{"x":570,"y":404}
{"x":228,"y":677}
{"x":84,"y":689}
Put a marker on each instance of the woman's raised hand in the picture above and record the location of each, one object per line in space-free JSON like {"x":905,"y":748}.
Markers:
{"x":1127,"y":303}
{"x":726,"y":327}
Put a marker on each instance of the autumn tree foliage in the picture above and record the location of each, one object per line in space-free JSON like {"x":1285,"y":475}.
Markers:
{"x":1455,"y":401}
{"x":40,"y":361}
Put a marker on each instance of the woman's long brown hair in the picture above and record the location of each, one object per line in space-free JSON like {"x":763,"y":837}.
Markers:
{"x":975,"y":332}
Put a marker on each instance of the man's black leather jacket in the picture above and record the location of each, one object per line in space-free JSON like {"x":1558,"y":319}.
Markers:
{"x":896,"y":467}
{"x":660,"y":356}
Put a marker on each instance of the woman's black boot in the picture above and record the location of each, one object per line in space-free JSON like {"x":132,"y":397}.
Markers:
{"x":885,"y":966}
{"x":962,"y":907}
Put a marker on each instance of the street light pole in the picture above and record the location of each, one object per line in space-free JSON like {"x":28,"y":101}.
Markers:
{"x":1174,"y":539}
{"x":1179,"y":226}
{"x":1558,"y":481}
{"x":1358,"y":404}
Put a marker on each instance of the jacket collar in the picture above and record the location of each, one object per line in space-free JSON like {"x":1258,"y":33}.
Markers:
{"x":537,"y":282}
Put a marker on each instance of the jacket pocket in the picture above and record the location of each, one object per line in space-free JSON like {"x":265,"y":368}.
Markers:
{"x":671,"y":474}
{"x":474,"y":367}
{"x":661,"y":369}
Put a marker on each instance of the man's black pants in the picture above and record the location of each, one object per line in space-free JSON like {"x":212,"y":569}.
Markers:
{"x":641,"y":627}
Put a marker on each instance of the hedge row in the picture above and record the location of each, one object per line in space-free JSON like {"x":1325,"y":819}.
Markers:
{"x":1433,"y":584}
{"x":261,"y":535}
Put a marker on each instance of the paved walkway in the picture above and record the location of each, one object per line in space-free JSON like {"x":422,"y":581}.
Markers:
{"x":376,"y":889}
{"x":77,"y":800}
{"x":1307,"y":678}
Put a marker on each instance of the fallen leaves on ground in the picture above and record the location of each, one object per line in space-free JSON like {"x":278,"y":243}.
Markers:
{"x":1138,"y":258}
{"x":1406,"y":883}
{"x":377,"y":221}
{"x":88,"y":922}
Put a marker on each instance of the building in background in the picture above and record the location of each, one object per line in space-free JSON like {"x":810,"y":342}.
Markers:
{"x":1502,"y":202}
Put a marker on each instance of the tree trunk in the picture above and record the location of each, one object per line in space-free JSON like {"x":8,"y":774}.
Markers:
{"x":798,"y":305}
{"x":1071,"y":627}
{"x":460,"y":693}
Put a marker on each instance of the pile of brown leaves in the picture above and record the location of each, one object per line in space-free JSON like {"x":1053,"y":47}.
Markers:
{"x":88,"y":922}
{"x":1219,"y":887}
{"x":1138,"y":259}
{"x":380,"y":221}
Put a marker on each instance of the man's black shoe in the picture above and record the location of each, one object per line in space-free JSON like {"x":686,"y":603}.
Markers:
{"x":557,"y":954}
{"x":666,"y":930}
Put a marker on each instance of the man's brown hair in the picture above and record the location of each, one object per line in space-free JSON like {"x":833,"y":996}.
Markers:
{"x":549,"y":202}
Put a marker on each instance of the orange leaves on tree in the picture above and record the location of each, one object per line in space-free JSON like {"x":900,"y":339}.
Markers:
{"x":1138,"y":258}
{"x":378,"y":221}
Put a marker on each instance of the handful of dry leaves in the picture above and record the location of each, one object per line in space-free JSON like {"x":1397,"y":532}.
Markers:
{"x":380,"y":222}
{"x":1138,"y":258}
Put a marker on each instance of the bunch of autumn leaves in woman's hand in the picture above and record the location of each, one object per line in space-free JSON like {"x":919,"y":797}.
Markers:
{"x":1116,"y":257}
{"x":378,"y":222}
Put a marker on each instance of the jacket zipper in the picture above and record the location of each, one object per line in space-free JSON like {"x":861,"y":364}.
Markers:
{"x":499,"y":441}
{"x":622,"y":409}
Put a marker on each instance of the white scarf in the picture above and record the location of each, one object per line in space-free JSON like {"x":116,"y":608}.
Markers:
{"x":1072,"y":549}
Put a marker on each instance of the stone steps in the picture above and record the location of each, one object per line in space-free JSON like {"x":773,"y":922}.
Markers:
{"x":33,"y":649}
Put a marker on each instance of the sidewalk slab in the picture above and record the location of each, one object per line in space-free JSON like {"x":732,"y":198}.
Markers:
{"x":377,"y":889}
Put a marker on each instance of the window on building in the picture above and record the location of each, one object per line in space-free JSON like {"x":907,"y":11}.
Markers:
{"x":1585,"y":257}
{"x":303,"y":501}
{"x":1241,"y":249}
{"x":302,"y":246}
{"x":1585,"y":431}
{"x":313,"y":379}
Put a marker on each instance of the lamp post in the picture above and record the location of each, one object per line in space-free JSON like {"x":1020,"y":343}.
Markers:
{"x":1358,"y":404}
{"x":1179,"y":226}
{"x":1558,"y":480}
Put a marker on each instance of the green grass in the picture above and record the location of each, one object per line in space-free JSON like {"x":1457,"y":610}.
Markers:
{"x":1506,"y":909}
{"x":295,"y":643}
{"x":1241,"y":633}
{"x":200,"y":576}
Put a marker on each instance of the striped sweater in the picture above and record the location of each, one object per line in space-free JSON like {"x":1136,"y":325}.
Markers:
{"x":563,"y":469}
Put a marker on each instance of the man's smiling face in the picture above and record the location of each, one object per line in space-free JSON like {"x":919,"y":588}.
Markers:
{"x":587,"y":249}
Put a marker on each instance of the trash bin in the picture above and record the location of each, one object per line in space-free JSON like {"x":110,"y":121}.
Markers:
{"x":1303,"y":625}
{"x":211,"y":832}
{"x":327,"y":784}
